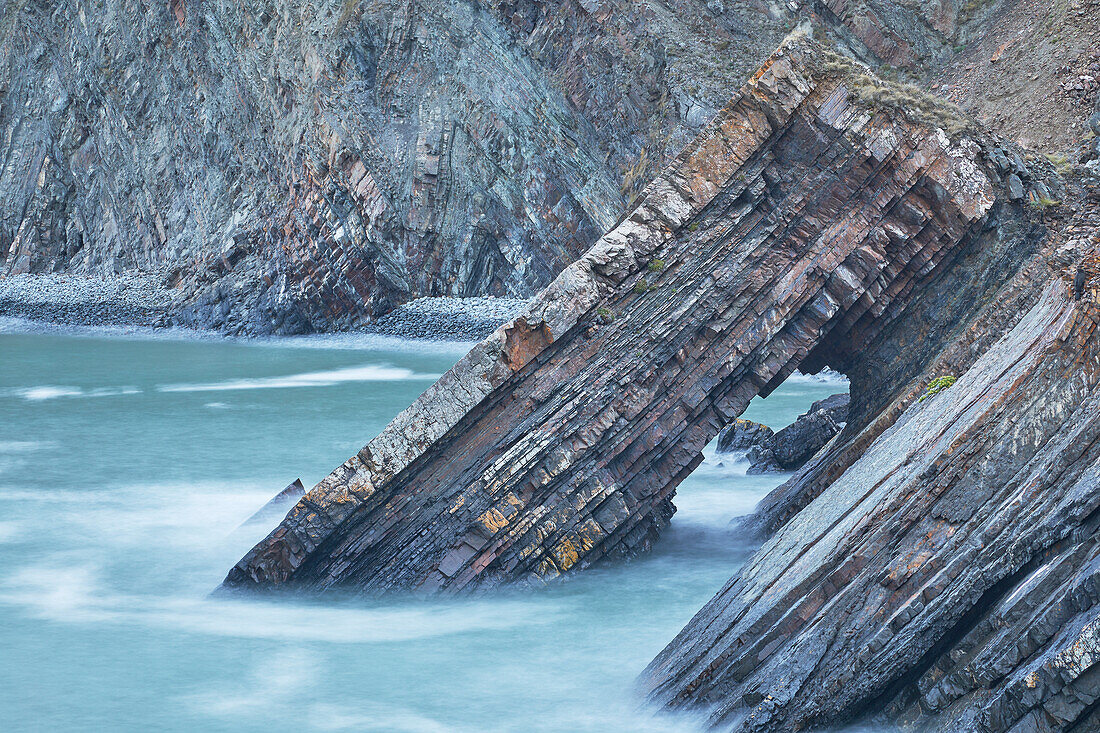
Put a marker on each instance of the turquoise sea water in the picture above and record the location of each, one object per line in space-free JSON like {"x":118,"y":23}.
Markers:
{"x":127,"y":466}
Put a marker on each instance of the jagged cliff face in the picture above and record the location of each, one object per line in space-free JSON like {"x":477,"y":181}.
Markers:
{"x":797,"y":219}
{"x":911,"y":35}
{"x":306,"y":166}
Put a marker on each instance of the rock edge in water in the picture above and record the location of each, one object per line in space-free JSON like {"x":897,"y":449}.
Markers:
{"x":789,"y":448}
{"x":559,"y":441}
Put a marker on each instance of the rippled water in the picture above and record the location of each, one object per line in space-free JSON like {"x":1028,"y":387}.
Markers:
{"x":126,"y":469}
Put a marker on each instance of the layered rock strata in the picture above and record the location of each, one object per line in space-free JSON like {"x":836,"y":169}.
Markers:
{"x":298,"y":166}
{"x":289,"y":166}
{"x":948,"y":578}
{"x":796,"y":219}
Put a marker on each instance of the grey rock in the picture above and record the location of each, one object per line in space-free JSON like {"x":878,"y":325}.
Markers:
{"x":1015,"y":188}
{"x":798,"y":442}
{"x":835,"y":406}
{"x":792,"y":446}
{"x":304,"y":167}
{"x":301,"y":167}
{"x":743,"y":435}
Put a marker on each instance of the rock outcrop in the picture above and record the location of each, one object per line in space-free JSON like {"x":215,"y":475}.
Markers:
{"x":290,"y":166}
{"x":948,"y":578}
{"x":791,"y":447}
{"x":799,"y":227}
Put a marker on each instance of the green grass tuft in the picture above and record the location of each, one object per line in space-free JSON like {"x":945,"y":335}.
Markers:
{"x":936,"y":386}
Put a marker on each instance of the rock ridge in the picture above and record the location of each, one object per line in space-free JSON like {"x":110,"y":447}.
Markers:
{"x":796,"y":219}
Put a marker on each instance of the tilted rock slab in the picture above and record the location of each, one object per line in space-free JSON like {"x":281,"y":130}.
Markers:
{"x":950,"y":577}
{"x":559,"y":441}
{"x":306,"y":165}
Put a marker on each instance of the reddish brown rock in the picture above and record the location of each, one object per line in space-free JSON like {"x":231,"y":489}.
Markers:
{"x":796,"y":218}
{"x":949,"y":579}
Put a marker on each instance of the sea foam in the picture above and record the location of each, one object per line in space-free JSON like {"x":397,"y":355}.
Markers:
{"x":363,"y":373}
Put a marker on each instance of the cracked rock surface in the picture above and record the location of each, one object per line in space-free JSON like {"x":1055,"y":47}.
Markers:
{"x":794,"y":220}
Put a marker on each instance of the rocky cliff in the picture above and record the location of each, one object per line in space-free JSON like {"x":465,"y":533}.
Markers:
{"x":797,"y":227}
{"x":302,"y":166}
{"x":285,"y":167}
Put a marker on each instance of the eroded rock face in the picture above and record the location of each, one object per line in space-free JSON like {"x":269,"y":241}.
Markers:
{"x":794,"y":220}
{"x":289,"y":166}
{"x":300,"y":166}
{"x":792,"y":446}
{"x":948,"y":577}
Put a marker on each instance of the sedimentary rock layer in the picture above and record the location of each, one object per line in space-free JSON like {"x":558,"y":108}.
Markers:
{"x":795,"y":219}
{"x":949,"y":577}
{"x":292,"y":166}
{"x":287,"y":166}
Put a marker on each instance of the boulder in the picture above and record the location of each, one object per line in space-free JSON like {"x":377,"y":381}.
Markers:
{"x":743,"y":435}
{"x":795,"y":444}
{"x":792,"y":446}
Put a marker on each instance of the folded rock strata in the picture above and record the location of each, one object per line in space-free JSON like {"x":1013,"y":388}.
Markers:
{"x":949,"y":577}
{"x":293,"y":166}
{"x":797,"y":221}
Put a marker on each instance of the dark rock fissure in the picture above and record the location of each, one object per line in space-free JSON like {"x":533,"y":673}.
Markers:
{"x":893,"y":694}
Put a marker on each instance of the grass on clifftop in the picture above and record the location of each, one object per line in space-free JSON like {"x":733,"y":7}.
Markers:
{"x":906,"y":100}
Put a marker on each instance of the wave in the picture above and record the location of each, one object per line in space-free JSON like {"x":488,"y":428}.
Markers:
{"x":24,"y":446}
{"x":47,"y":392}
{"x":51,"y":392}
{"x":333,"y":341}
{"x":365,"y":342}
{"x":9,"y":531}
{"x":364,"y":373}
{"x":825,"y":376}
{"x":76,"y":594}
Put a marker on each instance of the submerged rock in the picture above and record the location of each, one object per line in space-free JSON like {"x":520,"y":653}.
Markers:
{"x":751,"y":439}
{"x":792,"y":446}
{"x":797,"y":220}
{"x":278,"y":505}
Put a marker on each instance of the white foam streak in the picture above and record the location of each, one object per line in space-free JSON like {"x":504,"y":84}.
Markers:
{"x":272,"y":690}
{"x":52,"y":392}
{"x":364,"y":373}
{"x":35,"y":394}
{"x":23,"y":446}
{"x":825,"y":376}
{"x":74,"y":594}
